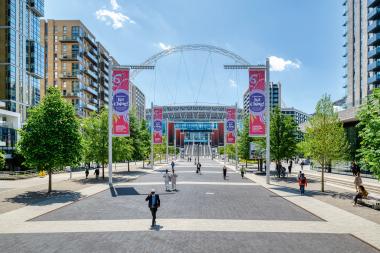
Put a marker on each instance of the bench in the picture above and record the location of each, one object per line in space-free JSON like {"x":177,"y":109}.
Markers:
{"x":371,"y":202}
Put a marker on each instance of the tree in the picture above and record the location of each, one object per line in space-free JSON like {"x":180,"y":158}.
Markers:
{"x":243,"y":142}
{"x":325,"y":138}
{"x":95,"y":135}
{"x":369,"y":132}
{"x":122,"y":149}
{"x":51,"y":138}
{"x":283,"y":136}
{"x":136,"y":138}
{"x":2,"y":160}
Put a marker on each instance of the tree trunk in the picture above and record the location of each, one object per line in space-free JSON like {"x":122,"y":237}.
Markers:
{"x":143,"y":163}
{"x":323,"y":178}
{"x":128,"y":166}
{"x":50,"y":172}
{"x":103,"y":170}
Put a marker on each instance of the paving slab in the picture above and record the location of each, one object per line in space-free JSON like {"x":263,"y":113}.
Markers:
{"x":174,"y":241}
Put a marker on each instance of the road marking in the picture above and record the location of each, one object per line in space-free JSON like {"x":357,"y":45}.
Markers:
{"x":187,"y":183}
{"x":210,"y":193}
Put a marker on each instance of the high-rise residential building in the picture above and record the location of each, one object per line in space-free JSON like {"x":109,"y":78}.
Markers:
{"x":137,"y":101}
{"x":21,"y":67}
{"x":362,"y":55}
{"x":21,"y":54}
{"x":298,"y":116}
{"x":275,"y":97}
{"x":76,"y":63}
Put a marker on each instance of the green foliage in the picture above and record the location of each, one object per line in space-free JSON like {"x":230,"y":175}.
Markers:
{"x":2,"y":160}
{"x":136,"y":137}
{"x":51,"y":136}
{"x":283,"y":136}
{"x":244,"y":140}
{"x":369,"y":132}
{"x":146,"y":138}
{"x":325,"y":138}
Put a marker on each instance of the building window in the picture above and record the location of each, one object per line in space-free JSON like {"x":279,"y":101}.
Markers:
{"x":64,"y":29}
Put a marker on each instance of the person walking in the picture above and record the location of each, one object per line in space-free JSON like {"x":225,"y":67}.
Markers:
{"x":199,"y":165}
{"x":358,"y":181}
{"x":302,"y":163}
{"x":242,"y":171}
{"x":96,"y":173}
{"x":172,"y":164}
{"x":167,"y":180}
{"x":153,"y":204}
{"x":174,"y":180}
{"x":362,"y":193}
{"x":87,"y":172}
{"x":302,"y":181}
{"x":224,"y":172}
{"x":353,"y":168}
{"x":290,"y":167}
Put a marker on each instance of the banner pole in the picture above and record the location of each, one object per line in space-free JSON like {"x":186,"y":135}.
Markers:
{"x":167,"y":141}
{"x":268,"y":162}
{"x":110,"y":105}
{"x":225,"y":144}
{"x":236,"y":138}
{"x":152,"y":139}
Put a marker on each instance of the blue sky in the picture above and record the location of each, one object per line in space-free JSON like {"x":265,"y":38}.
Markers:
{"x":302,"y":37}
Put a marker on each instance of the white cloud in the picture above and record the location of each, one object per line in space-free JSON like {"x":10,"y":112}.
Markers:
{"x":232,"y":83}
{"x":163,"y":46}
{"x":280,"y":64}
{"x":114,"y":5}
{"x":114,"y":18}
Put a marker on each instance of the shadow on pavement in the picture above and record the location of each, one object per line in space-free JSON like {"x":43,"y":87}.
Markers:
{"x":41,"y":198}
{"x":131,"y":191}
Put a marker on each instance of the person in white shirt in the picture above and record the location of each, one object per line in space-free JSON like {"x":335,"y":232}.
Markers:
{"x":167,"y":180}
{"x":174,"y":181}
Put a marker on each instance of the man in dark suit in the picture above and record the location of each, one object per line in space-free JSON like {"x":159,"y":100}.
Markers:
{"x":153,"y":204}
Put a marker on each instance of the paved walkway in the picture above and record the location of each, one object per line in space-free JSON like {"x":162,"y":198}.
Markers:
{"x":207,"y":214}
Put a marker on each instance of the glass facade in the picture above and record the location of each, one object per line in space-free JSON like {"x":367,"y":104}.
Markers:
{"x":22,"y":58}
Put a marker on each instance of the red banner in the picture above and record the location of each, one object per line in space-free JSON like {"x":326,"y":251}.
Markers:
{"x":120,"y":102}
{"x":230,"y":125}
{"x":157,"y":125}
{"x":257,"y":99}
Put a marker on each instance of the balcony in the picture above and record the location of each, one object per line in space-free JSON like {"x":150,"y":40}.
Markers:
{"x":91,"y":57}
{"x":93,"y":68}
{"x":90,"y":39}
{"x":94,"y":84}
{"x":90,"y":90}
{"x":70,"y":39}
{"x":375,"y":79}
{"x":374,"y":40}
{"x":94,"y":101}
{"x":92,"y":74}
{"x":345,"y":75}
{"x":91,"y":107}
{"x":75,"y":94}
{"x":374,"y":14}
{"x":373,"y":3}
{"x":374,"y":53}
{"x":374,"y":66}
{"x":70,"y":57}
{"x":374,"y":27}
{"x":69,"y":75}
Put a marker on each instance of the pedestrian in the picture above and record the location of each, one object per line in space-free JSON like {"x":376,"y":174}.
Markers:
{"x":87,"y":172}
{"x":302,"y":181}
{"x":353,"y":168}
{"x":358,"y":181}
{"x":167,"y":180}
{"x":172,"y":164}
{"x":199,"y":165}
{"x":224,"y":172}
{"x":153,"y":204}
{"x":362,"y":193}
{"x":242,"y":171}
{"x":299,"y":175}
{"x":302,"y":163}
{"x":174,"y":180}
{"x":190,"y":158}
{"x":290,"y":167}
{"x":96,"y":173}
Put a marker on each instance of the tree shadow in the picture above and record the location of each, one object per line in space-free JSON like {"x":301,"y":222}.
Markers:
{"x":42,"y":198}
{"x":311,"y":193}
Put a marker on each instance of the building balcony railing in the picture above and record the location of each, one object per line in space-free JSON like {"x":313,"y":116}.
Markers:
{"x":90,"y":90}
{"x":94,"y":101}
{"x":91,"y":40}
{"x":91,"y":73}
{"x":91,"y":107}
{"x":93,"y":67}
{"x":72,"y":39}
{"x":70,"y":75}
{"x":374,"y":53}
{"x":374,"y":66}
{"x":374,"y":40}
{"x":344,"y":75}
{"x":94,"y":84}
{"x":91,"y":57}
{"x":375,"y":79}
{"x":70,"y":57}
{"x":374,"y":14}
{"x":374,"y":27}
{"x":373,"y":3}
{"x":75,"y":94}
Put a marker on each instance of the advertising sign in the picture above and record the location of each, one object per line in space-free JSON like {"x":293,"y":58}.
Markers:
{"x":257,"y":101}
{"x":120,"y":102}
{"x":230,"y":126}
{"x":157,"y":125}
